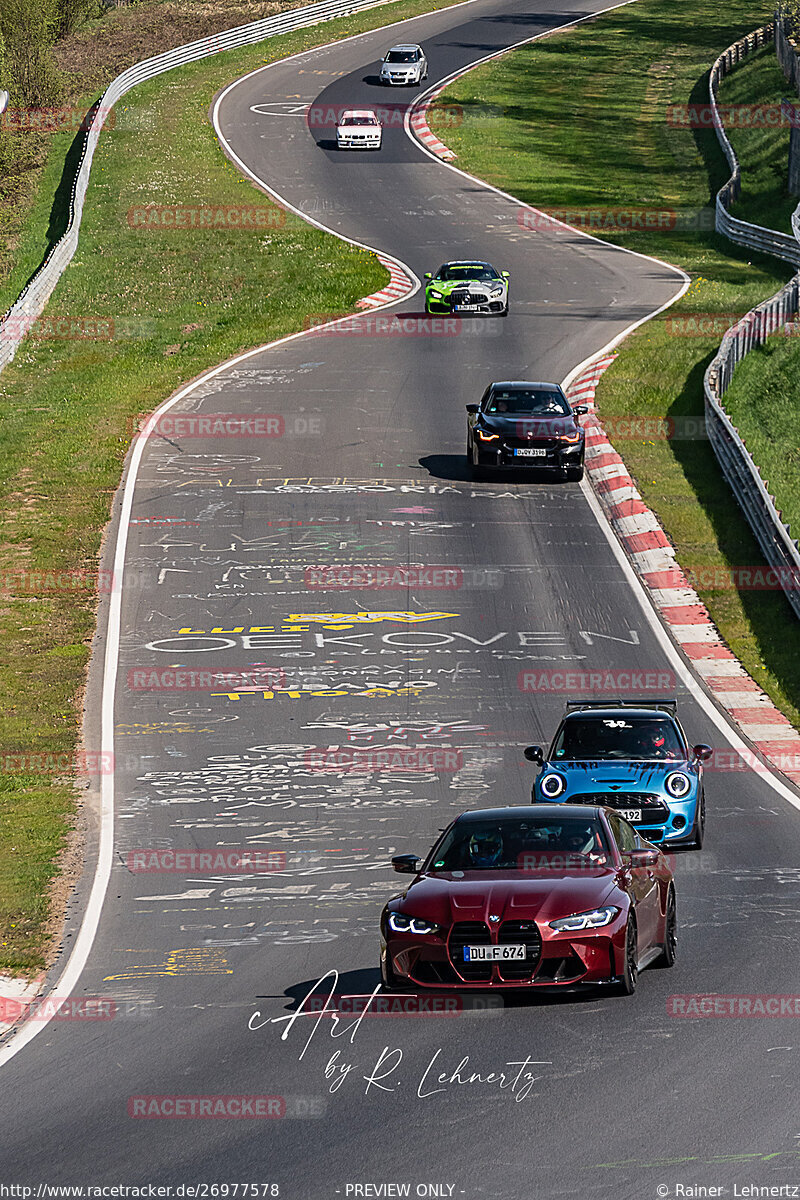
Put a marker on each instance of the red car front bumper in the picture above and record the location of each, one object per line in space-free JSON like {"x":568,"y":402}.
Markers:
{"x":553,"y":959}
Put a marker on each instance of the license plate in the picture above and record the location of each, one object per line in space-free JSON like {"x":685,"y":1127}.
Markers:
{"x":494,"y":953}
{"x":464,"y":307}
{"x":531,"y":452}
{"x":630,"y":814}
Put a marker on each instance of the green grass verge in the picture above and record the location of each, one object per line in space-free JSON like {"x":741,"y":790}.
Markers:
{"x":763,"y":401}
{"x":578,"y":121}
{"x":764,"y":398}
{"x":762,"y":149}
{"x":180,"y":303}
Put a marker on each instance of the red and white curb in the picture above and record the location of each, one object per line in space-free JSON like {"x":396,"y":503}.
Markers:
{"x":680,"y":607}
{"x":419,"y":127}
{"x":398,"y":286}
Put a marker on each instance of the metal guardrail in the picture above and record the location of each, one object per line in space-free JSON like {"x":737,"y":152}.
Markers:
{"x":17,"y":321}
{"x":749,"y":488}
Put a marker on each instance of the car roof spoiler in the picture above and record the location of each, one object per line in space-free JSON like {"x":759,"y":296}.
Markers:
{"x":666,"y":705}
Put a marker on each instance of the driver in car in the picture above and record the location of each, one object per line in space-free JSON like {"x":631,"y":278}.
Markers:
{"x":486,"y":849}
{"x":651,"y":743}
{"x":581,"y":839}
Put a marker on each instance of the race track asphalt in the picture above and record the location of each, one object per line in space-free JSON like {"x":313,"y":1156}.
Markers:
{"x":624,"y":1099}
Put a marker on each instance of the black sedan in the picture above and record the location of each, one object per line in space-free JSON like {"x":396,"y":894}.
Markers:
{"x":519,"y":424}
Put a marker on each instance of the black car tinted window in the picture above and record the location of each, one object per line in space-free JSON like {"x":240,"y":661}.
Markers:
{"x":511,"y":843}
{"x":454,"y":273}
{"x":622,"y":737}
{"x":532,"y":402}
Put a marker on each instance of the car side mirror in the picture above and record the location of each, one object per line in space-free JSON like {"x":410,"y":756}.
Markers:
{"x":640,"y":858}
{"x":580,"y":410}
{"x":534,"y":754}
{"x":702,"y":752}
{"x":472,"y":408}
{"x":428,"y":275}
{"x":406,"y":864}
{"x":505,"y":274}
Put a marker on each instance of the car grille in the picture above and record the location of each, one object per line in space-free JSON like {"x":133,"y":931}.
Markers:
{"x":654,"y":810}
{"x":514,"y":933}
{"x":476,"y":933}
{"x":465,"y":297}
{"x":469,"y":933}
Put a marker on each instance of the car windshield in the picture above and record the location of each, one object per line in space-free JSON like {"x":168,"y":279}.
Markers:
{"x":359,"y":121}
{"x":623,"y":737}
{"x":458,"y":272}
{"x":529,"y":402}
{"x":519,"y":844}
{"x":401,"y":56}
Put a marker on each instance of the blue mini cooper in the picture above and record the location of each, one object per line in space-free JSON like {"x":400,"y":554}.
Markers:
{"x":633,"y":757}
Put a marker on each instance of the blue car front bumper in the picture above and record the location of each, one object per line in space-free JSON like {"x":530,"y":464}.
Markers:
{"x":672,"y":821}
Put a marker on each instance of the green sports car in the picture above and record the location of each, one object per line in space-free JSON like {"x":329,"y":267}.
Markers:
{"x":467,"y":287}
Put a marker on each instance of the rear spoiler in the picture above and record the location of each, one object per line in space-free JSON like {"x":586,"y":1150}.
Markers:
{"x":665,"y":705}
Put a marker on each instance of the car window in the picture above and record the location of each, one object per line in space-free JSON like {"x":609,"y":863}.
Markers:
{"x":401,"y":56}
{"x":450,"y":273}
{"x":514,"y":843}
{"x":531,"y":402}
{"x":620,"y":737}
{"x":624,"y":834}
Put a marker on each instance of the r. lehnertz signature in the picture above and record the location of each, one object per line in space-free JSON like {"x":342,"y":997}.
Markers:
{"x":517,"y":1078}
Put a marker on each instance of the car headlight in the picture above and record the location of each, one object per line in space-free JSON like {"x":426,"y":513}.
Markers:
{"x":497,"y":291}
{"x":585,"y":920}
{"x":487,"y":437}
{"x":570,"y":437}
{"x":678,"y":784}
{"x":553,"y":785}
{"x":435,"y":292}
{"x":401,"y":923}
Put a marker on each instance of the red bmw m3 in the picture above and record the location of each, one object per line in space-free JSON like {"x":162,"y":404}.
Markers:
{"x":554,"y":896}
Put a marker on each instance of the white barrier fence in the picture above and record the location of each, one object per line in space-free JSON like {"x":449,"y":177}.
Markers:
{"x":774,"y":536}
